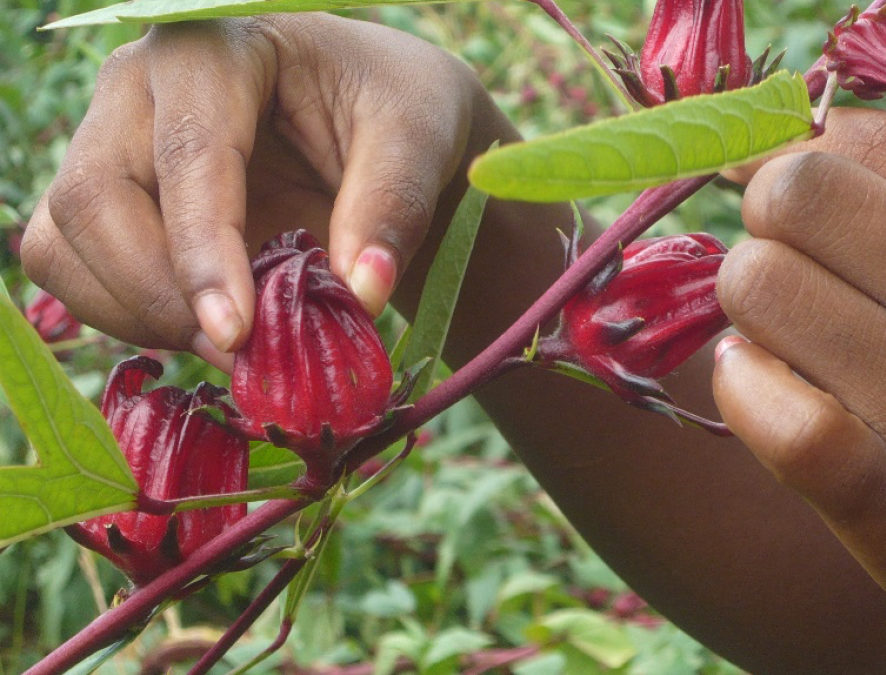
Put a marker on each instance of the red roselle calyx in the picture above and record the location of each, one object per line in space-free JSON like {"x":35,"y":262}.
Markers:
{"x":314,"y":375}
{"x":51,"y":318}
{"x":855,"y":51}
{"x":648,"y":311}
{"x":692,"y":47}
{"x":175,"y":449}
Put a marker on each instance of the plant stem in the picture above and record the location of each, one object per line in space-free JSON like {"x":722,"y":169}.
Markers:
{"x":277,"y":585}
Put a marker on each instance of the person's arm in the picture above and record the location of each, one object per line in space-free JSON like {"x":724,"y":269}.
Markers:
{"x":695,"y":523}
{"x":203,"y":136}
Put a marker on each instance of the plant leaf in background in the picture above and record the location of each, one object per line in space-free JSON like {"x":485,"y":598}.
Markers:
{"x":441,"y":289}
{"x":166,"y":11}
{"x":81,"y":472}
{"x":270,"y":466}
{"x":694,"y":136}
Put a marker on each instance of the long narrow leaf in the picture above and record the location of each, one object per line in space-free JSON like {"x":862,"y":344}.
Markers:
{"x":691,"y":137}
{"x":441,"y":289}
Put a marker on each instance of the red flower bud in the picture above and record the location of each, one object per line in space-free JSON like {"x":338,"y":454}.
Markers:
{"x":175,"y":449}
{"x":692,"y":47}
{"x":855,"y":50}
{"x":314,"y":375}
{"x":641,"y":319}
{"x":51,"y":318}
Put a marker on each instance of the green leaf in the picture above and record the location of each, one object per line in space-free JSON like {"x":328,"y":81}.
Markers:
{"x":270,"y":466}
{"x":442,"y":286}
{"x":691,"y":137}
{"x":452,"y":642}
{"x":167,"y":11}
{"x":9,"y":217}
{"x":588,"y":631}
{"x":394,"y":600}
{"x":81,"y":472}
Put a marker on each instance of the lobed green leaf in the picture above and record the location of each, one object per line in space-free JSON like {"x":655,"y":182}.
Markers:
{"x":691,"y":137}
{"x":81,"y":472}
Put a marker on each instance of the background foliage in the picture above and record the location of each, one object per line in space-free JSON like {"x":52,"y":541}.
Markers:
{"x":458,"y":551}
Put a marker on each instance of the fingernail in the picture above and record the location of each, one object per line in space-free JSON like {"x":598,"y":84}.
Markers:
{"x":202,"y":346}
{"x":372,"y":278}
{"x":726,"y":343}
{"x":219,"y":319}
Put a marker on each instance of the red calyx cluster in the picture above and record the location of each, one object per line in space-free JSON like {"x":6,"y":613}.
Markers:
{"x":314,"y":375}
{"x":648,"y":311}
{"x":175,"y":449}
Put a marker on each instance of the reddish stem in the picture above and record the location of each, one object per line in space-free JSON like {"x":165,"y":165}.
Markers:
{"x":277,"y":585}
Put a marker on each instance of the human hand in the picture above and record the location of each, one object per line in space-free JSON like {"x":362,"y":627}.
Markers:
{"x":810,"y":293}
{"x":203,"y":140}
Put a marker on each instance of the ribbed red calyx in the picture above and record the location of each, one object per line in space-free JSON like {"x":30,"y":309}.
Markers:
{"x":175,"y":449}
{"x":855,"y":50}
{"x":51,"y":318}
{"x":692,"y":47}
{"x":314,"y":375}
{"x":640,"y":319}
{"x":695,"y":39}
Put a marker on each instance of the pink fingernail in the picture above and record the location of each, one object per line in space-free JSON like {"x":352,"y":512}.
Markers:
{"x":726,"y":343}
{"x":219,"y":319}
{"x":372,"y":278}
{"x":202,"y":346}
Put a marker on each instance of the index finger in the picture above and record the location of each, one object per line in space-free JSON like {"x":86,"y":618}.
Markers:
{"x":208,"y":92}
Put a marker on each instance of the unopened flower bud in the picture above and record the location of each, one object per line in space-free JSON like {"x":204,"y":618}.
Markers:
{"x":175,"y":449}
{"x":640,"y":319}
{"x":314,"y":375}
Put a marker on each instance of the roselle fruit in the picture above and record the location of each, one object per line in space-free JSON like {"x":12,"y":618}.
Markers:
{"x":175,"y":449}
{"x":314,"y":375}
{"x":692,"y":47}
{"x":648,"y":311}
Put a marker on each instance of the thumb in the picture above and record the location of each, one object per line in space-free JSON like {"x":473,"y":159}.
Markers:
{"x":390,"y":186}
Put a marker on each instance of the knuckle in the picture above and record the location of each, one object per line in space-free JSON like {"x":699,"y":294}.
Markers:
{"x":75,"y":198}
{"x":37,"y":253}
{"x":118,"y":61}
{"x":405,"y":203}
{"x":792,"y":203}
{"x":177,"y":150}
{"x":801,"y":453}
{"x":753,"y":283}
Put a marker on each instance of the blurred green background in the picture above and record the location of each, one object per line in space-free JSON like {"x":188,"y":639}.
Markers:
{"x":457,"y":556}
